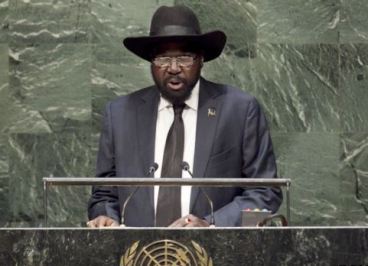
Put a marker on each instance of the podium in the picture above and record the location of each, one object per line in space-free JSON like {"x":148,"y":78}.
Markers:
{"x":183,"y":246}
{"x":129,"y":181}
{"x":217,"y":246}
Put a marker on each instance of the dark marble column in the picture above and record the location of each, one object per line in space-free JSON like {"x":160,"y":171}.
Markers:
{"x":295,"y":246}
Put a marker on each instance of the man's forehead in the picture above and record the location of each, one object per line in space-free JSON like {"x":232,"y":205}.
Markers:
{"x":172,"y":47}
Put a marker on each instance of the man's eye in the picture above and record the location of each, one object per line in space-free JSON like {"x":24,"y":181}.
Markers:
{"x":184,"y":58}
{"x":162,"y":60}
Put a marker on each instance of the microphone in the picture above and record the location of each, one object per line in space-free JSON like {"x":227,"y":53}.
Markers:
{"x":185,"y":167}
{"x":153,"y":168}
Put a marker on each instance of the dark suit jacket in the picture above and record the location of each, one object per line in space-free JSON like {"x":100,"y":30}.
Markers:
{"x":235,"y":142}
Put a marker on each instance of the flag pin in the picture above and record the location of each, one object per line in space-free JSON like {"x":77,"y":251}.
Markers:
{"x":211,"y":112}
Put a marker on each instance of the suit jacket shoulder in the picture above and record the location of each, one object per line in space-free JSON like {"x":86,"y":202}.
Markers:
{"x":217,"y":89}
{"x":148,"y":93}
{"x":232,"y":99}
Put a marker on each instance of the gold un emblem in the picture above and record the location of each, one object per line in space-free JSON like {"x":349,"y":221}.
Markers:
{"x":165,"y":253}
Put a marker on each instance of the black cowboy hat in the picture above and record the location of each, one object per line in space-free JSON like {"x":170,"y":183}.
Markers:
{"x":177,"y":23}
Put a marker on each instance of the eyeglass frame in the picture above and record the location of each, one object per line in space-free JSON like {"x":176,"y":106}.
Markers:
{"x":177,"y":60}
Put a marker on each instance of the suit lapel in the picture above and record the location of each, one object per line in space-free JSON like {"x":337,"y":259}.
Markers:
{"x":146,"y":112}
{"x":207,"y":118}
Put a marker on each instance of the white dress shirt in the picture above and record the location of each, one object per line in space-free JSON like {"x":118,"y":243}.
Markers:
{"x":165,"y":117}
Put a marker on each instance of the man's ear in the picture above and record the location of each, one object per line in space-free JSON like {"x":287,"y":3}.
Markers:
{"x":202,"y":61}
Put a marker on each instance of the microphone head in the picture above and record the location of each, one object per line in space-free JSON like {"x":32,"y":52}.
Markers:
{"x":185,"y":166}
{"x":152,"y":169}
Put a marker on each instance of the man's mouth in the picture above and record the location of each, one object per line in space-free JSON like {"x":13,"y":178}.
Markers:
{"x":175,"y":84}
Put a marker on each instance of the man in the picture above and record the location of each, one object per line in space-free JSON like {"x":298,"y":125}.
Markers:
{"x":219,"y":131}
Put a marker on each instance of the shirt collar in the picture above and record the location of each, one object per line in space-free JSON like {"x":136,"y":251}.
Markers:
{"x":191,"y":102}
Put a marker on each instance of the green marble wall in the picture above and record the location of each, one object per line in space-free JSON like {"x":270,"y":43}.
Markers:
{"x":306,"y":62}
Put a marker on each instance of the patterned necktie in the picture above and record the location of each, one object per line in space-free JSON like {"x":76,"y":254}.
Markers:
{"x":169,"y":198}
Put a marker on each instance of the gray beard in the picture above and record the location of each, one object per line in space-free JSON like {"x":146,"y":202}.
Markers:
{"x":173,"y":96}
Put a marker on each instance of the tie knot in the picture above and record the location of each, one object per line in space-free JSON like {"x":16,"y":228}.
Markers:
{"x":178,"y":108}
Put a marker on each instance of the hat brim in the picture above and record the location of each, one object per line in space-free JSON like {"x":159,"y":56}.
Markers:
{"x":211,"y":43}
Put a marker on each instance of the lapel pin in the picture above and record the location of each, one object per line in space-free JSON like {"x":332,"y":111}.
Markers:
{"x":211,"y":112}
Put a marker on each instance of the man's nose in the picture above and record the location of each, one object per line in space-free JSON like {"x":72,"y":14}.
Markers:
{"x":174,"y":67}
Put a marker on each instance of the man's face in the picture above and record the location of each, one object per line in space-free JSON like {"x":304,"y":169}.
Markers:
{"x":176,"y":81}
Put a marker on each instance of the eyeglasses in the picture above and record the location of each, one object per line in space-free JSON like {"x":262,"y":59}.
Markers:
{"x":181,"y":61}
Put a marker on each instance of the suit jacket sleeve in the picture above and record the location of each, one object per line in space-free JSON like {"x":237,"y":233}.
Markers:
{"x":104,"y":200}
{"x":258,"y":161}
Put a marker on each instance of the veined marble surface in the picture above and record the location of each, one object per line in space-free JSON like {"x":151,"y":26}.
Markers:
{"x":305,"y":61}
{"x":4,"y":24}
